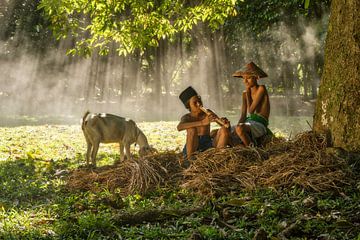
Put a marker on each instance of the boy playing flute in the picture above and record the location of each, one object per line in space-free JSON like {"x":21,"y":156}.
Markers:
{"x":197,"y":125}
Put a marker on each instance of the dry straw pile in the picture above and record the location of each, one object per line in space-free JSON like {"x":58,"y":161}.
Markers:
{"x":131,"y":176}
{"x":304,"y":162}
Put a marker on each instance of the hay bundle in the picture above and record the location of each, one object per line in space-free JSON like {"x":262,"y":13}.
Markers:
{"x":145,"y":173}
{"x":100,"y":178}
{"x":137,"y":175}
{"x":318,"y":172}
{"x":302,"y":162}
{"x":218,"y":171}
{"x":153,"y":170}
{"x":307,"y":165}
{"x":170,"y":161}
{"x":310,"y":140}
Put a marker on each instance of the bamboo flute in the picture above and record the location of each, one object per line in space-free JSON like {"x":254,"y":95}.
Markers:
{"x":217,"y":119}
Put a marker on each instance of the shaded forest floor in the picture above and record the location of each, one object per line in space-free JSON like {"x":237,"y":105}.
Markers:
{"x":296,"y":189}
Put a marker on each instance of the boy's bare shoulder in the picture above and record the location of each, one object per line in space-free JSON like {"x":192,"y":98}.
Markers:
{"x":262,"y":86}
{"x":185,"y":118}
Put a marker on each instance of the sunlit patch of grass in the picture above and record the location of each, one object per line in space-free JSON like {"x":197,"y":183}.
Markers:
{"x":63,"y":142}
{"x":163,"y":135}
{"x":58,"y":143}
{"x":44,"y":143}
{"x":289,"y":127}
{"x":33,"y":223}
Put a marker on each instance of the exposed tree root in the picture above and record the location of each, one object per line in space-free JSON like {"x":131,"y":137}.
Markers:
{"x":153,"y":215}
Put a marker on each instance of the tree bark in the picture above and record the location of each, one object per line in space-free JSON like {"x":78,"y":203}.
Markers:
{"x":337,"y":109}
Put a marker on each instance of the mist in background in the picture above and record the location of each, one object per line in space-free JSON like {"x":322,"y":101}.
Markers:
{"x":146,"y":88}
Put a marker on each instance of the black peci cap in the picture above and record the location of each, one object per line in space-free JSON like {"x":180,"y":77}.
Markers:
{"x":187,"y":94}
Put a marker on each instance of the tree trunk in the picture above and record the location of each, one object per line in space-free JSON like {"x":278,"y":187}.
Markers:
{"x":90,"y":91}
{"x":337,"y":109}
{"x":157,"y":91}
{"x":306,"y":78}
{"x":214,"y":77}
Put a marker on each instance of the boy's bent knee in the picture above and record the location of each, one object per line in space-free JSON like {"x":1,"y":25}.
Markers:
{"x":223,"y":131}
{"x":240,"y":129}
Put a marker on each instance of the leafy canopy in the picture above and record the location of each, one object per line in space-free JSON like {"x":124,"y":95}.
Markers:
{"x":131,"y":24}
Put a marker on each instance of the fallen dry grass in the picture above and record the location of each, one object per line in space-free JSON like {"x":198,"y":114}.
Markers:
{"x":137,"y":175}
{"x":302,"y":162}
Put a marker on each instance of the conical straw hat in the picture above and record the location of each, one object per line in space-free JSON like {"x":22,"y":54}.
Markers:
{"x":250,"y":69}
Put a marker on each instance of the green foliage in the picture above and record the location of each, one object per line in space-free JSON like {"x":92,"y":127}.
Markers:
{"x":256,"y":17}
{"x":23,"y":17}
{"x":132,"y":25}
{"x":87,"y":225}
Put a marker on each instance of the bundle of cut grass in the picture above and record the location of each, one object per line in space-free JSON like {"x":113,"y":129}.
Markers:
{"x":137,"y":175}
{"x":306,"y":163}
{"x":107,"y":177}
{"x":168,"y":161}
{"x":145,"y":174}
{"x":219,"y":171}
{"x":301,"y":162}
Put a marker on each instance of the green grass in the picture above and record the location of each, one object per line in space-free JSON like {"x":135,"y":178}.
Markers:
{"x":34,"y":204}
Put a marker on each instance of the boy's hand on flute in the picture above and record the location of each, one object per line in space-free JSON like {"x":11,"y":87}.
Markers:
{"x":210,"y":117}
{"x":225,"y":120}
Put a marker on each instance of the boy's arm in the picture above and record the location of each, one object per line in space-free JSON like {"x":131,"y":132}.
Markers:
{"x":243,"y":108}
{"x":186,"y":123}
{"x":248,"y":99}
{"x":257,"y":100}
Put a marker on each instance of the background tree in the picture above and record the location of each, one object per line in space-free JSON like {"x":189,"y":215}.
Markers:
{"x":337,"y":109}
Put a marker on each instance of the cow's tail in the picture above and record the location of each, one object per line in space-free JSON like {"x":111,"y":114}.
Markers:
{"x":83,"y":120}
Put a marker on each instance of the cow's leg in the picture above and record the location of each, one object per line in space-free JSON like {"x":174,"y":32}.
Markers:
{"x":122,"y":156}
{"x":89,"y":147}
{"x":88,"y":152}
{"x":127,"y":150}
{"x":95,"y":149}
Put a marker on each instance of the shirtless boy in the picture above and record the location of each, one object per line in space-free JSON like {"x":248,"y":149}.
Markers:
{"x":255,"y":108}
{"x":197,"y":125}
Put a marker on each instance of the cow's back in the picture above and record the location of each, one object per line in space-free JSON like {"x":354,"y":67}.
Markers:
{"x":109,"y":127}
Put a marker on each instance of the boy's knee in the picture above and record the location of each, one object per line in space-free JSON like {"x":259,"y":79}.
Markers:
{"x":223,"y":131}
{"x":240,"y":129}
